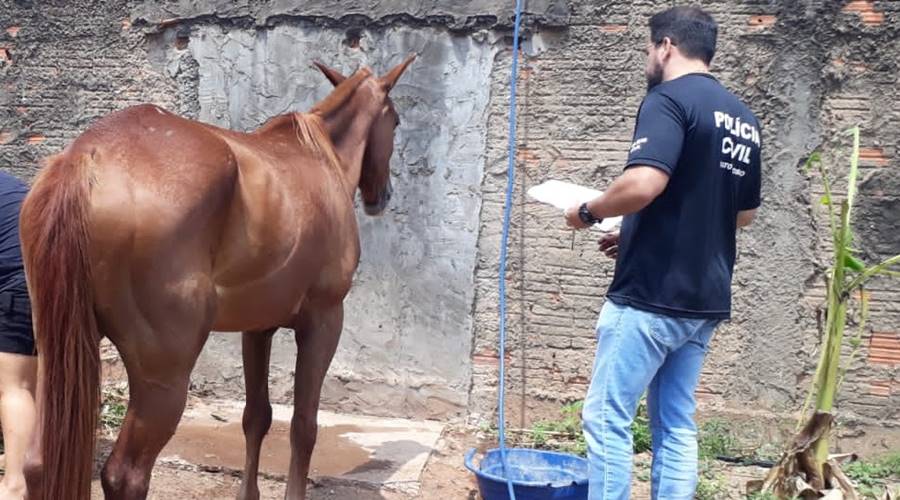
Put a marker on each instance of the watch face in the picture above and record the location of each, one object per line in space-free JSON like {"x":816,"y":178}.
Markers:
{"x":585,"y":215}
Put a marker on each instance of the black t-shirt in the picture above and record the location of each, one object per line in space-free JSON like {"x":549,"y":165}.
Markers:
{"x":12,"y":274}
{"x":676,"y":256}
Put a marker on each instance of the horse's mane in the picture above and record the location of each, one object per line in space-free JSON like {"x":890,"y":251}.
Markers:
{"x":311,"y":134}
{"x":310,"y":128}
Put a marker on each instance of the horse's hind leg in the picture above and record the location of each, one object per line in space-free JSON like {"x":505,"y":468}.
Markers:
{"x":317,"y":333}
{"x":159,"y":344}
{"x":257,"y":410}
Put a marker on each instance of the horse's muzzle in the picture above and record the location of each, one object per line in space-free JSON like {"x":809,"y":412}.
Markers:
{"x":378,"y":207}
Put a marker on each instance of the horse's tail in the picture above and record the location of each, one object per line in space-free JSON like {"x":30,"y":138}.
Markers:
{"x":54,"y":232}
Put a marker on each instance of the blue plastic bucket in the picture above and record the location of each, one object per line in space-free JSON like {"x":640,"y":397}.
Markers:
{"x":535,"y":474}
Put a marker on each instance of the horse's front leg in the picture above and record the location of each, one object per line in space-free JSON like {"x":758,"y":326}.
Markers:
{"x":318,"y":330}
{"x":257,"y":346}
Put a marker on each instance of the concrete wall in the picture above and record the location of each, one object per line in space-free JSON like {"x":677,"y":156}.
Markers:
{"x":421,"y":333}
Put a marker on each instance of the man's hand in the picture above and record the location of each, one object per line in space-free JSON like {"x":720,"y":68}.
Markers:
{"x":609,"y":245}
{"x":745,"y":217}
{"x":572,"y":218}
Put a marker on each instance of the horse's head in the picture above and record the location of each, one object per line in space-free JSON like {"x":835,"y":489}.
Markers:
{"x":375,"y":177}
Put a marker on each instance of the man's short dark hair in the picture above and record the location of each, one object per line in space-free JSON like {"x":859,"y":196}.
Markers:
{"x":691,"y":29}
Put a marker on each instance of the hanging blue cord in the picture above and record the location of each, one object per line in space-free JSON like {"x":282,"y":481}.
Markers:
{"x":507,"y":212}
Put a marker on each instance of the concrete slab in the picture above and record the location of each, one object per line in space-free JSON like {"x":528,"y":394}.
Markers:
{"x":382,"y":452}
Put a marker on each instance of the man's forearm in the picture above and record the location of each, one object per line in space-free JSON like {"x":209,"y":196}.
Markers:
{"x":630,"y":193}
{"x":618,"y":200}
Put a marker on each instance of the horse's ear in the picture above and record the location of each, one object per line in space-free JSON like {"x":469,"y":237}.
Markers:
{"x":390,"y":79}
{"x":332,"y":74}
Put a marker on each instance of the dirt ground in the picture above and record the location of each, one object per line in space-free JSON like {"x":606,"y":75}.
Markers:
{"x":444,"y":478}
{"x":170,"y":483}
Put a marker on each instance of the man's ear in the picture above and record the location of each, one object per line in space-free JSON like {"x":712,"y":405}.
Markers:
{"x":666,"y":47}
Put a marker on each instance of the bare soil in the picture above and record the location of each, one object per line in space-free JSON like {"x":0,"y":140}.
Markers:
{"x":444,"y":478}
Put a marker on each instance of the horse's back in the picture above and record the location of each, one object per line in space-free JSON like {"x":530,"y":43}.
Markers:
{"x":157,"y":149}
{"x":174,"y":201}
{"x":160,"y":190}
{"x":155,"y":168}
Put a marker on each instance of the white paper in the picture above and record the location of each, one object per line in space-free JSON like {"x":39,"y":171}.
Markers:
{"x":563,"y":195}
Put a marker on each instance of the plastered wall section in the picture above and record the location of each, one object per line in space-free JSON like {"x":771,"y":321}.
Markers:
{"x":407,"y":335}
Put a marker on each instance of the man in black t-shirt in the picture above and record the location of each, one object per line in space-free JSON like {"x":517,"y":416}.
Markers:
{"x":18,"y":363}
{"x":691,"y":180}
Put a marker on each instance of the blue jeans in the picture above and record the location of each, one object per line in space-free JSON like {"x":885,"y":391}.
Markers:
{"x":639,"y":350}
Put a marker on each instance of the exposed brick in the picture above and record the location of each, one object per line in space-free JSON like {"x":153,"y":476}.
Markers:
{"x":526,"y":72}
{"x":614,"y":28}
{"x":5,"y":57}
{"x":873,"y":156}
{"x":527,"y":155}
{"x":705,"y":393}
{"x":884,"y":348}
{"x":578,"y":379}
{"x":126,"y":24}
{"x":866,"y":11}
{"x":6,"y":136}
{"x":873,"y":18}
{"x":13,"y":31}
{"x":856,"y":67}
{"x":486,"y":357}
{"x":35,"y":139}
{"x":880,"y":388}
{"x":762,"y":21}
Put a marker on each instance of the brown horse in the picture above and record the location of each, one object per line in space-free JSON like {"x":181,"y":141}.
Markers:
{"x":153,"y":230}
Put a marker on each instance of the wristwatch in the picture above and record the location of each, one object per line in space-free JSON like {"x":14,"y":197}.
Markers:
{"x":586,"y":216}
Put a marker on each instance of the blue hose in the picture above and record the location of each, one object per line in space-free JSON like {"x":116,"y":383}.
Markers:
{"x":507,"y":212}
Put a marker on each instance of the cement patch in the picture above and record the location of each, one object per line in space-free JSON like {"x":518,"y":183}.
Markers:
{"x":380,"y":452}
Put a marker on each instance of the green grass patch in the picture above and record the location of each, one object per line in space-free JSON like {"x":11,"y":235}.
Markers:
{"x":113,"y":408}
{"x":872,"y":477}
{"x":711,"y":485}
{"x":640,"y":429}
{"x":566,"y":433}
{"x":716,"y":439}
{"x":762,"y":496}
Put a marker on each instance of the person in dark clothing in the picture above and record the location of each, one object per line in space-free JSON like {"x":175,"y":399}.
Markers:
{"x":18,"y":361}
{"x":691,"y":180}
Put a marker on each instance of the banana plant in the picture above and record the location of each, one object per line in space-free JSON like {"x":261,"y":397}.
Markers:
{"x":807,"y":459}
{"x":848,"y":275}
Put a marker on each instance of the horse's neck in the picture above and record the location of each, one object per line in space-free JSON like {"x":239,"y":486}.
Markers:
{"x":346,"y":116}
{"x":348,"y":127}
